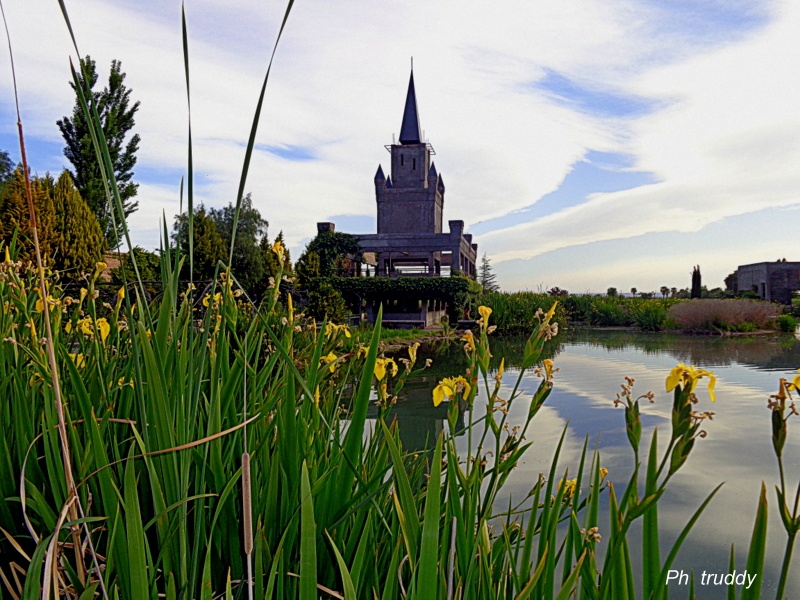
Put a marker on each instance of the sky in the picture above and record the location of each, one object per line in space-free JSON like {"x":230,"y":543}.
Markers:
{"x":585,"y":143}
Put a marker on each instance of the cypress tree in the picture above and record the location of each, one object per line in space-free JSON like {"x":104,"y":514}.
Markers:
{"x":697,"y":290}
{"x":15,"y":216}
{"x":81,"y":242}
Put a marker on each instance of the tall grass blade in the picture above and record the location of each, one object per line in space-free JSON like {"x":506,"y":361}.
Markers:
{"x":758,"y":548}
{"x":308,"y":540}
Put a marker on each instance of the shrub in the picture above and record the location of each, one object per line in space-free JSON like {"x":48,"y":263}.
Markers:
{"x":787,"y":323}
{"x":724,"y":314}
{"x":650,"y":315}
{"x":610,"y":312}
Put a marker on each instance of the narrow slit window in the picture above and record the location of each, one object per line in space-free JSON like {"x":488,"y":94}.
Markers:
{"x":414,"y":164}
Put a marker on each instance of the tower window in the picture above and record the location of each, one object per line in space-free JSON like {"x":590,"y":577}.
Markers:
{"x":414,"y":164}
{"x":402,"y":156}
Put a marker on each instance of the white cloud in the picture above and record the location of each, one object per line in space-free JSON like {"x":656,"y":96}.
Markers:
{"x":725,"y":145}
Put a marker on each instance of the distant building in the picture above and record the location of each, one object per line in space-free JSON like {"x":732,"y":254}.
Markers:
{"x":410,"y":204}
{"x":773,"y":281}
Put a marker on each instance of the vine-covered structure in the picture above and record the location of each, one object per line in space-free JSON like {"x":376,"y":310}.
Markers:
{"x":410,"y":240}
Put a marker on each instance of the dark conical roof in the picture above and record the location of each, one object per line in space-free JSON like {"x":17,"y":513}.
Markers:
{"x":432,"y":171}
{"x":379,"y":175}
{"x":409,"y":130}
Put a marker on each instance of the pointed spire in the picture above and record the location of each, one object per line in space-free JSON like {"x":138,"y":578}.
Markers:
{"x":409,"y":130}
{"x":379,"y":176}
{"x":440,"y":184}
{"x":389,"y":181}
{"x":432,"y":171}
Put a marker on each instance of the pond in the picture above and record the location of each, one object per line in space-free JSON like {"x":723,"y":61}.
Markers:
{"x":592,"y":365}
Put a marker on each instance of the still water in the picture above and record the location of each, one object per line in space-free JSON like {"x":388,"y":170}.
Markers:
{"x":592,"y":365}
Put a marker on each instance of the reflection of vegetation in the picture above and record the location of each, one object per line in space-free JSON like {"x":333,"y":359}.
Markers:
{"x":762,"y":352}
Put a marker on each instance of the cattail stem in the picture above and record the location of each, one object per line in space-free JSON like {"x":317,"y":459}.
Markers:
{"x":247,"y":506}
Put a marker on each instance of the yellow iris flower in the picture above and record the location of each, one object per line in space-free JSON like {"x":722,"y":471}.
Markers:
{"x":449,"y":387}
{"x":795,"y":384}
{"x":412,"y":352}
{"x":279,"y":250}
{"x":485,"y":312}
{"x":207,"y":299}
{"x":548,"y":368}
{"x":103,"y":327}
{"x":469,"y":346}
{"x":330,"y":360}
{"x":382,"y":365}
{"x":688,"y":377}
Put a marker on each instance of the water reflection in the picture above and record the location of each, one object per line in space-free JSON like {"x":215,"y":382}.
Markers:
{"x":592,"y":364}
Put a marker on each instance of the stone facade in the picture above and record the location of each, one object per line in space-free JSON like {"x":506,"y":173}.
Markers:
{"x":773,"y":281}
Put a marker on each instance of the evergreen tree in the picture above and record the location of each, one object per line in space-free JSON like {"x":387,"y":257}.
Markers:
{"x":80,"y":240}
{"x":6,"y":167}
{"x":486,"y":277}
{"x":117,"y":119}
{"x":15,"y":216}
{"x":213,"y":231}
{"x":209,"y":247}
{"x":697,"y":290}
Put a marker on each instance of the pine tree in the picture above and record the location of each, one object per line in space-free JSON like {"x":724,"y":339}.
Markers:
{"x":80,"y":240}
{"x":485,"y":275}
{"x":15,"y":216}
{"x":117,"y":119}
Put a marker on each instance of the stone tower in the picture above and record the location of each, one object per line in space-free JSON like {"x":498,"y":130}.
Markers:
{"x":411,"y":199}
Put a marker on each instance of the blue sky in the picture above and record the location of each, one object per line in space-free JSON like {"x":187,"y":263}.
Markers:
{"x":586,"y":144}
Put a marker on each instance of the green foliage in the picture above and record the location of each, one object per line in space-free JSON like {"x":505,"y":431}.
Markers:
{"x":612,"y":292}
{"x":454,"y":291}
{"x":787,"y":323}
{"x":117,"y":119}
{"x":649,"y":315}
{"x":335,"y":253}
{"x":209,"y":247}
{"x":6,"y":170}
{"x":213,"y":233}
{"x":149,"y":264}
{"x":325,"y":302}
{"x":514,"y":313}
{"x":486,"y":276}
{"x":610,"y":312}
{"x":80,"y":239}
{"x":15,"y":216}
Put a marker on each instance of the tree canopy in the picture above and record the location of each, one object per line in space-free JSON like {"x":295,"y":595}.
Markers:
{"x":213,"y":231}
{"x":15,"y":216}
{"x":80,"y":240}
{"x":69,"y":234}
{"x":116,"y":115}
